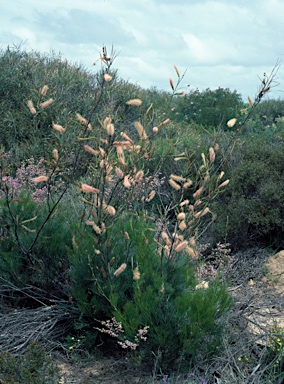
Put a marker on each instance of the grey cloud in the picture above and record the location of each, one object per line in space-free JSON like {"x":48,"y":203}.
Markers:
{"x":82,"y":27}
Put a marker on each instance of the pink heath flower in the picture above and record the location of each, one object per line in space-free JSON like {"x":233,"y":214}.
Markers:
{"x":58,"y":127}
{"x":136,"y":274}
{"x":44,"y":90}
{"x":176,"y":177}
{"x":110,"y":129}
{"x":226,"y":182}
{"x":197,"y":194}
{"x":119,"y":173}
{"x":46,"y":103}
{"x":182,"y":225}
{"x":126,"y":181}
{"x":231,"y":122}
{"x":150,"y":196}
{"x":174,"y":184}
{"x":181,"y":216}
{"x":31,"y":107}
{"x":177,"y":71}
{"x":107,"y":77}
{"x":202,"y":285}
{"x":140,"y":130}
{"x":84,"y":121}
{"x":111,"y":210}
{"x":181,"y":246}
{"x":250,"y":101}
{"x":120,"y":270}
{"x":139,"y":175}
{"x":55,"y":154}
{"x":81,"y":119}
{"x":107,"y":121}
{"x":39,"y":179}
{"x":126,"y":137}
{"x":172,"y":84}
{"x":88,"y":189}
{"x":136,"y":102}
{"x":91,"y":150}
{"x":211,"y":154}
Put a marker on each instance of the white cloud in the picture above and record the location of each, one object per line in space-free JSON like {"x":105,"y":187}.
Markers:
{"x":221,"y":42}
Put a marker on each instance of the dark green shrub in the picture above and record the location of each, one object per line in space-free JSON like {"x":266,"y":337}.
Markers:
{"x":33,"y":367}
{"x":132,"y":263}
{"x":208,"y":108}
{"x":22,"y":78}
{"x":151,"y":291}
{"x":251,"y":210}
{"x":73,"y":90}
{"x":269,"y":110}
{"x":43,"y":263}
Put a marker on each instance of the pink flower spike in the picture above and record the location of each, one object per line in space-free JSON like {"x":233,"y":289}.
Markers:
{"x":58,"y":127}
{"x":177,"y":71}
{"x":87,"y":188}
{"x":172,"y":84}
{"x":107,"y":77}
{"x":39,"y":179}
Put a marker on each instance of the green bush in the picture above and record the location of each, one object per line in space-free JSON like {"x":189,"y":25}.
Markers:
{"x":251,"y":210}
{"x":208,"y":108}
{"x":33,"y":367}
{"x":23,"y":76}
{"x":269,"y":110}
{"x":128,"y":191}
{"x":152,"y":291}
{"x":24,"y":258}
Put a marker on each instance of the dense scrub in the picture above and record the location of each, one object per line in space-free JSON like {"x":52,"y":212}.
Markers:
{"x":111,"y":194}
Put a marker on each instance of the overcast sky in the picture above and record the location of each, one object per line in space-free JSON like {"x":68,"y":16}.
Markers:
{"x":221,"y":43}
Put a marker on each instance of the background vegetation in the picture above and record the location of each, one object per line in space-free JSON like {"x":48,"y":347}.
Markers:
{"x":111,"y":195}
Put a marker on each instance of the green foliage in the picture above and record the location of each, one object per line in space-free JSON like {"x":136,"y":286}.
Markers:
{"x":31,"y":368}
{"x":22,"y":78}
{"x":122,"y":243}
{"x":270,"y":110}
{"x":251,"y":209}
{"x":276,"y":351}
{"x":45,"y":266}
{"x":152,"y":291}
{"x":208,"y":108}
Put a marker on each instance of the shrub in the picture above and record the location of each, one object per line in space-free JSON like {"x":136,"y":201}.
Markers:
{"x":133,"y":287}
{"x":124,"y":268}
{"x":208,"y":108}
{"x":127,"y":255}
{"x":276,"y":351}
{"x":31,"y":368}
{"x":27,"y":260}
{"x":251,"y":210}
{"x":269,"y":110}
{"x":22,"y":78}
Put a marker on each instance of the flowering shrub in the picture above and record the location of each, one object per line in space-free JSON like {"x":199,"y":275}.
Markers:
{"x":124,"y":249}
{"x":25,"y":179}
{"x":114,"y":329}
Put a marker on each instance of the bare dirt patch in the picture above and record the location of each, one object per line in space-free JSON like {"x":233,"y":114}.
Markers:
{"x":275,"y":272}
